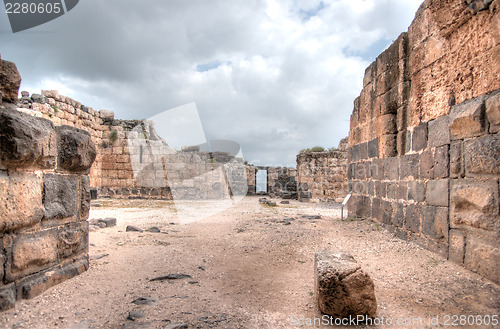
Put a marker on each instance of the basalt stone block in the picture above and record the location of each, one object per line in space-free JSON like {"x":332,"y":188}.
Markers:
{"x":441,"y":162}
{"x":483,"y":256}
{"x":457,"y":246}
{"x":399,"y":214}
{"x":402,"y":191}
{"x":457,"y":165}
{"x":439,"y":132}
{"x":409,"y":166}
{"x":388,"y":146}
{"x":36,"y":284}
{"x":10,"y":80}
{"x":416,"y":191}
{"x":391,"y":168}
{"x":77,"y":152}
{"x":493,"y":112}
{"x":373,"y":148}
{"x":60,"y":196}
{"x":435,"y":222}
{"x":437,"y":192}
{"x":427,"y":164}
{"x":363,"y":151}
{"x":377,"y":169}
{"x":419,"y":137}
{"x":20,"y":201}
{"x":468,"y":119}
{"x":380,"y":189}
{"x":401,"y":143}
{"x":482,"y":155}
{"x":85,"y":197}
{"x":408,"y":141}
{"x":413,"y":220}
{"x":386,"y":209}
{"x":7,"y":296}
{"x":376,"y":209}
{"x":342,"y":288}
{"x":474,"y":204}
{"x":26,"y":141}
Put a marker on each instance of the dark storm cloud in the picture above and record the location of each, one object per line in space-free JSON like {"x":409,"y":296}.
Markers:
{"x":275,"y":76}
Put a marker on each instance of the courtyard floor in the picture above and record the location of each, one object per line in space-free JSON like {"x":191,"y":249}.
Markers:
{"x":250,"y":266}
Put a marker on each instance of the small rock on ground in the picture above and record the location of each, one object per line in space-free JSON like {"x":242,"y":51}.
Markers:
{"x":177,"y":326}
{"x":131,"y":228}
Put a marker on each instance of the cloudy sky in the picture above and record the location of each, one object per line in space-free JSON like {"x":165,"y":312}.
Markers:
{"x":276,"y":76}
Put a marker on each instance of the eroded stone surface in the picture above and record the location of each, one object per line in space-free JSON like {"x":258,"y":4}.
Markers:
{"x":342,"y":287}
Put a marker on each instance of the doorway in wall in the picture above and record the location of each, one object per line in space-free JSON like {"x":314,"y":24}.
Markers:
{"x":261,"y":181}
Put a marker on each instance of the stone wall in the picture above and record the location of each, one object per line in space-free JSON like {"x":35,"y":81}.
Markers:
{"x":424,"y":151}
{"x":134,"y":162}
{"x":44,"y":205}
{"x":322,"y":176}
{"x":282,"y":182}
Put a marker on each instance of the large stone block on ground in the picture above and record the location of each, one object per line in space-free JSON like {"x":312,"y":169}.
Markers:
{"x":467,"y":119}
{"x":77,"y":152}
{"x":20,"y":201}
{"x":26,"y":140}
{"x":483,"y":256}
{"x":10,"y":80}
{"x":482,"y":155}
{"x":474,"y":204}
{"x":342,"y":288}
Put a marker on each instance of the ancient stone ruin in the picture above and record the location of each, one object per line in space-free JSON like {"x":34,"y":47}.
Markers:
{"x":45,"y":200}
{"x":322,"y":176}
{"x":424,"y":150}
{"x":422,"y":159}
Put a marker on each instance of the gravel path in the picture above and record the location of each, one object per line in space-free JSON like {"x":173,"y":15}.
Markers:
{"x":250,"y":266}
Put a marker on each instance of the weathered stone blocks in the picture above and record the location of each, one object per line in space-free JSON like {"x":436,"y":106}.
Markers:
{"x":21,"y":201}
{"x":342,"y":288}
{"x":437,"y":192}
{"x":31,"y":253}
{"x":483,"y":256}
{"x":43,"y":235}
{"x":77,"y":152}
{"x":10,"y":80}
{"x":493,"y":112}
{"x":467,"y":119}
{"x":60,"y":196}
{"x":475,"y":204}
{"x":25,"y":140}
{"x":482,"y":155}
{"x":439,"y":132}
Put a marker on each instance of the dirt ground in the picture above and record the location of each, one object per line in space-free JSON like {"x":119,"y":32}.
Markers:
{"x":248,"y":268}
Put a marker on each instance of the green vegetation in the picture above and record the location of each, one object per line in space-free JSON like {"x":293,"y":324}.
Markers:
{"x":113,"y":136}
{"x":313,"y":149}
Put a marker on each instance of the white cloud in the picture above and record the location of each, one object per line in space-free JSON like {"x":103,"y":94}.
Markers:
{"x":275,"y":76}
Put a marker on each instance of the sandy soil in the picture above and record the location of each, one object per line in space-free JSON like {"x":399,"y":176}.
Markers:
{"x":248,"y":270}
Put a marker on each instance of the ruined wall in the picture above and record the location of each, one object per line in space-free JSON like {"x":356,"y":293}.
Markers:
{"x":44,"y":205}
{"x":282,"y":182}
{"x":424,"y":151}
{"x":134,"y":162}
{"x":322,"y":176}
